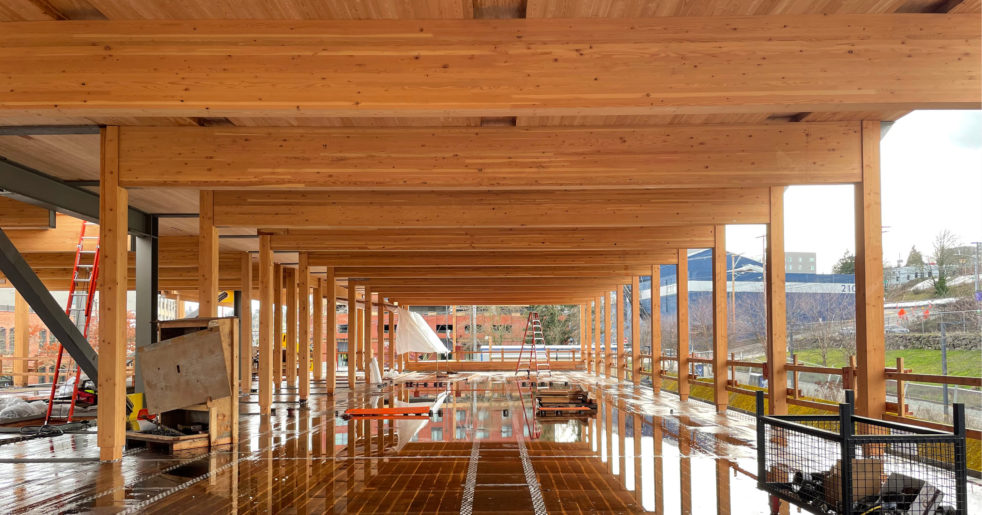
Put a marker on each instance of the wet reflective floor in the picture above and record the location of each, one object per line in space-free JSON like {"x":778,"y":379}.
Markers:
{"x":484,"y":452}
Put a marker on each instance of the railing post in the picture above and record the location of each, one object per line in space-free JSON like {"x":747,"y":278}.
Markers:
{"x":794,"y":380}
{"x":901,"y":411}
{"x":845,"y":469}
{"x":961,"y":463}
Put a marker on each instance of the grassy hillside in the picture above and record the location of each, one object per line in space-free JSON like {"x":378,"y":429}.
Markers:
{"x":922,"y":361}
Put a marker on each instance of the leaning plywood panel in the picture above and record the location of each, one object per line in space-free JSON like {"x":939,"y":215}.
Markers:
{"x":184,"y":371}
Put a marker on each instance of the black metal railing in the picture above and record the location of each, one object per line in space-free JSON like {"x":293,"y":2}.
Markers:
{"x":849,"y":464}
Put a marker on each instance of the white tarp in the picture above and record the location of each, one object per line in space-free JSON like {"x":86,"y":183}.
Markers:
{"x":413,"y":334}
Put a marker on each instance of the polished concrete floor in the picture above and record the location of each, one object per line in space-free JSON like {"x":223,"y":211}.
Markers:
{"x":486,"y":453}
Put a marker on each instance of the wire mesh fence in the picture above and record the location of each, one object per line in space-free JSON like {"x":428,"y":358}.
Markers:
{"x":854,"y":465}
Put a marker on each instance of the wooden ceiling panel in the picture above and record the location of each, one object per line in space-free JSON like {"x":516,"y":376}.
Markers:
{"x":493,"y":258}
{"x":283,"y":9}
{"x":67,"y":157}
{"x":25,"y":10}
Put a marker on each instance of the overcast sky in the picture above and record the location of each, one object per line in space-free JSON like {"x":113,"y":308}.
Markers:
{"x":932,"y":180}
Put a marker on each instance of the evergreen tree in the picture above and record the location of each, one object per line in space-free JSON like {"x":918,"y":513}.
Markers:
{"x":846,"y":264}
{"x":914,"y":258}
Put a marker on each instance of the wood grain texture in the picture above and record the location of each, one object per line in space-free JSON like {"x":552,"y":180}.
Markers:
{"x":777,"y":307}
{"x":682,"y":312}
{"x":539,"y":67}
{"x":493,"y":239}
{"x":656,"y":343}
{"x":553,"y":208}
{"x":207,"y":257}
{"x":488,"y":259}
{"x":19,"y":215}
{"x":245,"y":331}
{"x":331,"y":328}
{"x":491,"y":157}
{"x":112,"y":282}
{"x":720,"y":395}
{"x":870,"y":344}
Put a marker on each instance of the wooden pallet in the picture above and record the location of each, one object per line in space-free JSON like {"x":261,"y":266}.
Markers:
{"x":166,"y":444}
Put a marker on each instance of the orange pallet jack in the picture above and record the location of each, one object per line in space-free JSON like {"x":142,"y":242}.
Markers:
{"x":80,"y":296}
{"x":534,"y":338}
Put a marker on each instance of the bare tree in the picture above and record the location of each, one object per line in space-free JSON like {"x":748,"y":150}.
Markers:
{"x":944,"y":245}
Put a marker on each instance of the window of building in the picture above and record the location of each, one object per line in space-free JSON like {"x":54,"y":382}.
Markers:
{"x":461,"y":415}
{"x":3,"y":340}
{"x":506,"y":431}
{"x":461,"y":433}
{"x":444,"y":328}
{"x":436,"y":434}
{"x":343,"y":328}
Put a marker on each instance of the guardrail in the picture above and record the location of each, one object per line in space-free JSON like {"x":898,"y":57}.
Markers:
{"x":897,"y":411}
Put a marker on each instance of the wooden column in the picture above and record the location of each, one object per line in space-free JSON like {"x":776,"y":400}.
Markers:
{"x":870,"y":353}
{"x":367,"y":333}
{"x":619,"y":341}
{"x":777,"y":380}
{"x":380,"y":333}
{"x":290,"y":280}
{"x":720,"y":395}
{"x":583,"y":333}
{"x":245,"y":326}
{"x":352,"y":333}
{"x":113,"y":213}
{"x":597,"y":336}
{"x":318,"y":309}
{"x":607,"y":338}
{"x":636,"y":330}
{"x":392,"y":341}
{"x":303,"y":318}
{"x":656,"y":328}
{"x":207,"y":256}
{"x":180,"y":305}
{"x":21,"y":334}
{"x":682,"y":303}
{"x":266,"y":339}
{"x":331,"y":331}
{"x":278,"y":348}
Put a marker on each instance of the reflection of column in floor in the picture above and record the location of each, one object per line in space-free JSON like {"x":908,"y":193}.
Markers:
{"x":722,"y":478}
{"x":621,"y":442}
{"x":304,"y":459}
{"x":609,"y":426}
{"x":658,"y":471}
{"x":266,"y":444}
{"x":637,"y":458}
{"x":685,"y":468}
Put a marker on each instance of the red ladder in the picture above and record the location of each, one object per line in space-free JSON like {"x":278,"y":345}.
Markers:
{"x":80,"y":296}
{"x":533,"y":336}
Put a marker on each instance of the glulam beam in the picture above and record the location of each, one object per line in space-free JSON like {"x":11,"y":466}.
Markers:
{"x":597,"y":66}
{"x":703,"y":156}
{"x":549,"y":208}
{"x":489,"y":259}
{"x":450,"y":239}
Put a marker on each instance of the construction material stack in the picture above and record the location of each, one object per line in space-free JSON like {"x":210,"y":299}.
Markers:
{"x":563,"y":401}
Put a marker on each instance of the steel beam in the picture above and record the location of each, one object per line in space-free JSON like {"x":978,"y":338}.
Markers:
{"x":48,"y":130}
{"x":146,"y":295}
{"x":36,"y":188}
{"x":27,"y":283}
